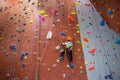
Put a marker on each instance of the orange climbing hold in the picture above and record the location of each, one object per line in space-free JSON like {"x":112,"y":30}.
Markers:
{"x":92,"y":50}
{"x":70,"y":18}
{"x":85,"y":39}
{"x":69,"y":38}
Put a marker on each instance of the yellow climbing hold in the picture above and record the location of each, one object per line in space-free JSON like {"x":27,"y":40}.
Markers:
{"x":36,"y":30}
{"x":25,"y":57}
{"x":76,"y":3}
{"x":31,"y":21}
{"x":81,"y":67}
{"x":86,"y":62}
{"x":73,"y":13}
{"x":42,"y":12}
{"x":77,"y":25}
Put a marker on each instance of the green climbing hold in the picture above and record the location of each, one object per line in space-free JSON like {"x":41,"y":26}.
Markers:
{"x":81,"y":72}
{"x":78,"y":42}
{"x":83,"y":19}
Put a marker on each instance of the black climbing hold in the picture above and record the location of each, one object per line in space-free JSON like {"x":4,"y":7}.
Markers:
{"x":29,"y":0}
{"x":18,"y":40}
{"x":24,"y":24}
{"x":114,"y":48}
{"x":107,"y":40}
{"x":11,"y":18}
{"x":25,"y":13}
{"x":33,"y":3}
{"x":26,"y":53}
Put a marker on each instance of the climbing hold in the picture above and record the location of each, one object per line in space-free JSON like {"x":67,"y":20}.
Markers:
{"x":78,"y":32}
{"x":70,"y":18}
{"x":42,"y":12}
{"x":81,"y":72}
{"x":85,"y":39}
{"x":109,"y":11}
{"x":74,"y":34}
{"x":58,"y":20}
{"x":79,"y":57}
{"x":53,"y":11}
{"x":63,"y":33}
{"x":57,"y":47}
{"x":49,"y":35}
{"x":38,"y":58}
{"x":8,"y":75}
{"x":23,"y":64}
{"x":15,"y":79}
{"x":77,"y":28}
{"x":102,"y":23}
{"x":83,"y":19}
{"x":25,"y":35}
{"x":76,"y":3}
{"x":49,"y":69}
{"x":31,"y":21}
{"x":78,"y":42}
{"x":25,"y":57}
{"x":92,"y":50}
{"x":64,"y":75}
{"x":54,"y":65}
{"x":86,"y":62}
{"x":81,"y":67}
{"x":91,"y":67}
{"x":109,"y":76}
{"x":88,"y":32}
{"x":42,"y":18}
{"x":73,"y":13}
{"x":71,"y":65}
{"x":78,"y":50}
{"x":117,"y":41}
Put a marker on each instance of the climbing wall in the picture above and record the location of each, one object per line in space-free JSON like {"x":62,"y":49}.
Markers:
{"x":110,"y":11}
{"x":101,"y":45}
{"x":59,"y":18}
{"x":18,"y":39}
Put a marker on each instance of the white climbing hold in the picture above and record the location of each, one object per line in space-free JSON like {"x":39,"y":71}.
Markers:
{"x":57,"y":47}
{"x":49,"y":35}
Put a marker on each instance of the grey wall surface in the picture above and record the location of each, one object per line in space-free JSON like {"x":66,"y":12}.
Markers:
{"x":107,"y":54}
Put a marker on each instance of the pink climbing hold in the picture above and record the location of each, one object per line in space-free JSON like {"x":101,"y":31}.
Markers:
{"x":42,"y":18}
{"x":91,"y":67}
{"x":53,"y":11}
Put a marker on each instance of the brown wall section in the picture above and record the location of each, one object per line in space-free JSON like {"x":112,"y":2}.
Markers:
{"x":113,"y":20}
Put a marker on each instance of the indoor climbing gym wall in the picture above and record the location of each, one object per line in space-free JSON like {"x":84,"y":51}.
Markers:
{"x":109,"y":10}
{"x":18,"y":26}
{"x":100,"y":43}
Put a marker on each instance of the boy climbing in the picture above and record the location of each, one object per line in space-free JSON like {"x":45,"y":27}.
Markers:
{"x":67,"y":50}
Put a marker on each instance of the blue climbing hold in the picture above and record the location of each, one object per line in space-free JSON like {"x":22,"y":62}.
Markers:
{"x":109,"y":76}
{"x":110,"y":12}
{"x":117,"y":41}
{"x":71,"y":65}
{"x":63,"y":33}
{"x":102,"y":23}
